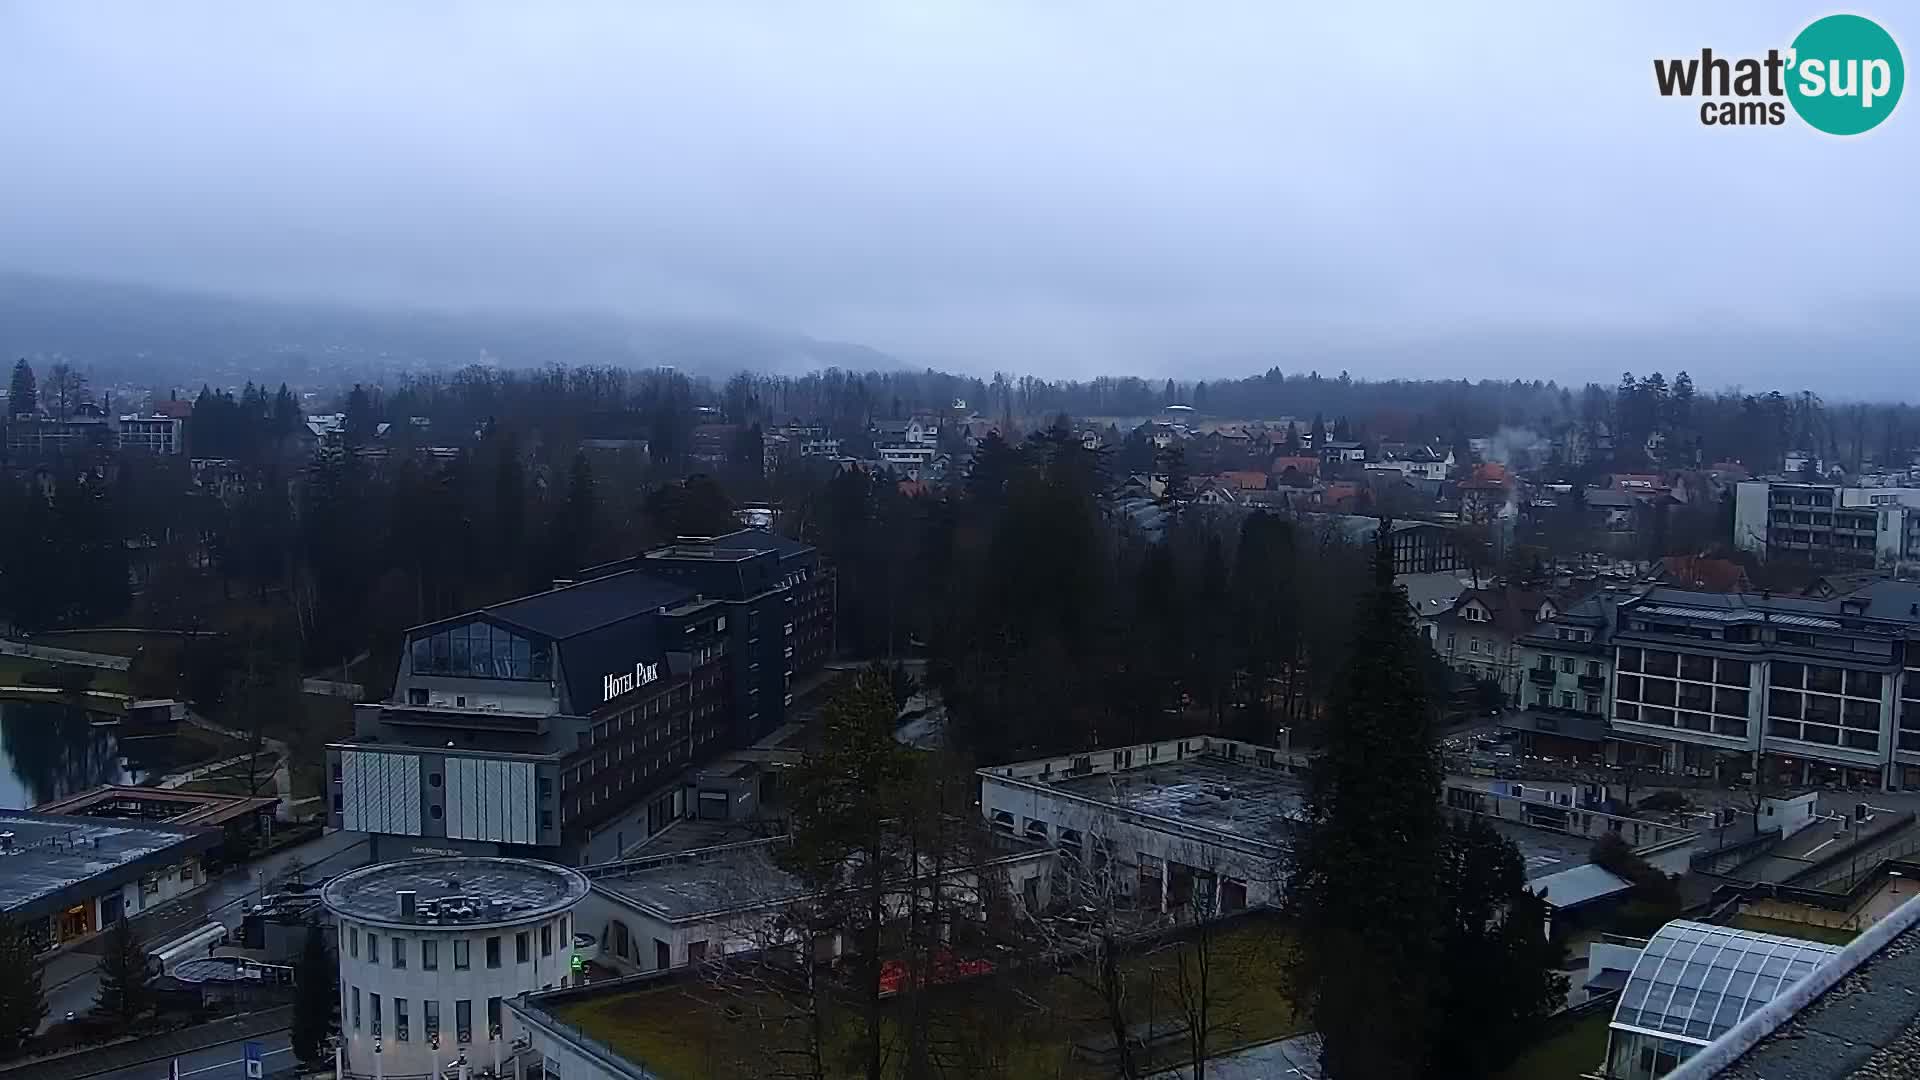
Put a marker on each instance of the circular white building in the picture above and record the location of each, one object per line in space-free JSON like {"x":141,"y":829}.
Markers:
{"x":429,"y":950}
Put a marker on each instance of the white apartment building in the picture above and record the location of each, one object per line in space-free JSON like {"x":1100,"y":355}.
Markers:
{"x":153,"y":434}
{"x":1827,"y":523}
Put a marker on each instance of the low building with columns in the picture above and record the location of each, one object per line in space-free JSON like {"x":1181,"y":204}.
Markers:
{"x":430,"y":949}
{"x":1196,"y":825}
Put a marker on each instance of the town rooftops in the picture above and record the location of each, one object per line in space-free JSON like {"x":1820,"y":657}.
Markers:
{"x":461,"y":892}
{"x":51,"y":861}
{"x":170,"y":806}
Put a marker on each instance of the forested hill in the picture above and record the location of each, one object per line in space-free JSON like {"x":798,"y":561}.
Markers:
{"x":138,"y":333}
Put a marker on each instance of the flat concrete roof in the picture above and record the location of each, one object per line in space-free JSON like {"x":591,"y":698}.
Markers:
{"x":59,"y":860}
{"x":739,"y":876}
{"x":1545,"y":851}
{"x":455,"y":892}
{"x":1204,"y":791}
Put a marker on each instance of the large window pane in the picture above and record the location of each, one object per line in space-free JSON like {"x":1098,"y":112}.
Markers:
{"x":1783,"y":703}
{"x":442,"y":654}
{"x":541,"y":668}
{"x":422,"y":654}
{"x":1861,"y":714}
{"x":1628,"y":688}
{"x":1629,"y":659}
{"x":1824,"y":710}
{"x":1863,"y":683}
{"x":1657,"y":691}
{"x":1786,"y":674}
{"x":1735,"y":673}
{"x":1661,"y":663}
{"x":1822,"y":678}
{"x":461,"y":657}
{"x":1695,"y":667}
{"x":1730,"y":701}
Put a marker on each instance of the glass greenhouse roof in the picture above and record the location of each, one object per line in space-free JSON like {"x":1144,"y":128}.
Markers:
{"x":1695,"y":980}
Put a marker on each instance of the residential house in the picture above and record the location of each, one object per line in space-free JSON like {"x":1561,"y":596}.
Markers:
{"x":1485,"y":494}
{"x":1295,"y":470}
{"x":1479,"y":637}
{"x":1701,"y":574}
{"x":1568,"y":692}
{"x":1341,"y":452}
{"x":1244,"y":481}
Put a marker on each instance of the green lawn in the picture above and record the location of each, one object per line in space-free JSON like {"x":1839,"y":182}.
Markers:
{"x":1566,"y":1055}
{"x":1787,"y":928}
{"x":14,"y":669}
{"x":1016,"y":1024}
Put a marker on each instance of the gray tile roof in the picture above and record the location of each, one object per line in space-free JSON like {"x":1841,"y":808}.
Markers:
{"x":1853,"y":1030}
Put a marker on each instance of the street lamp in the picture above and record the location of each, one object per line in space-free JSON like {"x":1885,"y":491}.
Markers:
{"x":493,"y":1038}
{"x":379,"y":1068}
{"x":433,"y":1041}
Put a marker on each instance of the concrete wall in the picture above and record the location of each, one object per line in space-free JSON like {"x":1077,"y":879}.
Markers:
{"x":446,"y":984}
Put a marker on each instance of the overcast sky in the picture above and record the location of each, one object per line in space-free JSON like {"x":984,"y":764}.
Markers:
{"x":1046,"y":185}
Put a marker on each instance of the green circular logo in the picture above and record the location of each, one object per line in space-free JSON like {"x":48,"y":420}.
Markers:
{"x":1845,"y":74}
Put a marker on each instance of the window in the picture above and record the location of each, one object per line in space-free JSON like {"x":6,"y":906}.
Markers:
{"x":493,"y":1016}
{"x":1566,"y":699}
{"x":373,"y":1006}
{"x":696,"y":951}
{"x":353,"y":942}
{"x":373,"y":948}
{"x":546,"y":939}
{"x":1566,"y":665}
{"x":1449,"y":642}
{"x":431,"y":1010}
{"x":356,"y":1008}
{"x":1473,"y":645}
{"x":1593,"y":669}
{"x":463,"y":1020}
{"x":522,"y":947}
{"x":460,"y":958}
{"x":1629,"y":660}
{"x":416,"y":695}
{"x":493,"y":951}
{"x":399,"y":952}
{"x":400,"y":1031}
{"x":429,"y":954}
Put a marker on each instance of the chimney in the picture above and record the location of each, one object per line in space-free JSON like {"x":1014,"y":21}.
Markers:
{"x":406,"y":904}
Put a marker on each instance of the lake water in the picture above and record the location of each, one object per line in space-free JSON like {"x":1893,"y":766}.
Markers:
{"x":49,"y":750}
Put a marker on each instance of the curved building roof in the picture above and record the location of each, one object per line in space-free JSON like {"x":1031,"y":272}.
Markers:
{"x":455,"y":892}
{"x":1695,"y":980}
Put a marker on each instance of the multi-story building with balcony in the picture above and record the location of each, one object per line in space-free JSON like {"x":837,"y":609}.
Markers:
{"x":561,"y":724}
{"x":1801,"y":690}
{"x":1568,"y":690}
{"x":158,"y":435}
{"x":1827,"y":523}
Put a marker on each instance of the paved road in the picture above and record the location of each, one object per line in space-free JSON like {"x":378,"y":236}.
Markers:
{"x":72,"y":979}
{"x":215,"y":1063}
